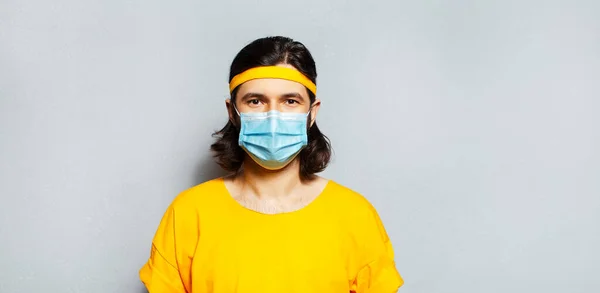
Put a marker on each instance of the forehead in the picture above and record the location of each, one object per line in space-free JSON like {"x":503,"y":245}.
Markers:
{"x":272,"y":87}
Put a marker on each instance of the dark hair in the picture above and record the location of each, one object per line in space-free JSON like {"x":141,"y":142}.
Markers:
{"x":271,"y":51}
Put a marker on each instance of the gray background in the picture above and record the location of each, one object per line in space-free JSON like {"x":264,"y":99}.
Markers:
{"x":472,"y":126}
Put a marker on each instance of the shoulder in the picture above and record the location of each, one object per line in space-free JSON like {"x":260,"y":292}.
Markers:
{"x":348,"y":199}
{"x":206,"y":194}
{"x":356,"y":210}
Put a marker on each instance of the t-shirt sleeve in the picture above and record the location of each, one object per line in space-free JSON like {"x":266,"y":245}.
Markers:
{"x":169,"y":266}
{"x":378,"y":272}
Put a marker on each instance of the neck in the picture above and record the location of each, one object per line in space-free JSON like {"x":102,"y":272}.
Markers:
{"x":265,"y":183}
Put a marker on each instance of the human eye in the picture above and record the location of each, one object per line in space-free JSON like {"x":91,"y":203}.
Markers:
{"x":291,"y":102}
{"x":253,"y":102}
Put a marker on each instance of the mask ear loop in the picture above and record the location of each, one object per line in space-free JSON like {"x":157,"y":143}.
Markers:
{"x":236,"y":110}
{"x":309,"y":118}
{"x":238,"y":113}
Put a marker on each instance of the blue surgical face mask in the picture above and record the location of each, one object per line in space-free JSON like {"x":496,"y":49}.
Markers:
{"x":273,"y":139}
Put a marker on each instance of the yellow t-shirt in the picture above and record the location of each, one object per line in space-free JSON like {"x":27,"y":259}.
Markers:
{"x":207,"y":242}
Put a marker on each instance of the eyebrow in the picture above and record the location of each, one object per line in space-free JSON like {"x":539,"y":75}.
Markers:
{"x":252,"y":95}
{"x":292,"y":95}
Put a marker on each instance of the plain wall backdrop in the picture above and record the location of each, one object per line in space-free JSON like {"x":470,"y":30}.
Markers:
{"x":472,"y":126}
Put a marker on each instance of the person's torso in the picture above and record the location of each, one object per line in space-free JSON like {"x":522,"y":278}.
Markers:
{"x":311,"y":250}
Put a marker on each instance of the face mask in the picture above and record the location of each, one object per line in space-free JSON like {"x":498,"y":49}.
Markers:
{"x":273,"y":139}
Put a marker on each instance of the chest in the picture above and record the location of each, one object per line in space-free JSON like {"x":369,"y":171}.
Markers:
{"x":274,"y":256}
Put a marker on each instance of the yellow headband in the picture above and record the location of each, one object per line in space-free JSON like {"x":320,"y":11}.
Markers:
{"x":278,"y":72}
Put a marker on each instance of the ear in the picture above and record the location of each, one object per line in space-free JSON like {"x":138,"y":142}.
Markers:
{"x":316,"y":105}
{"x":230,"y":111}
